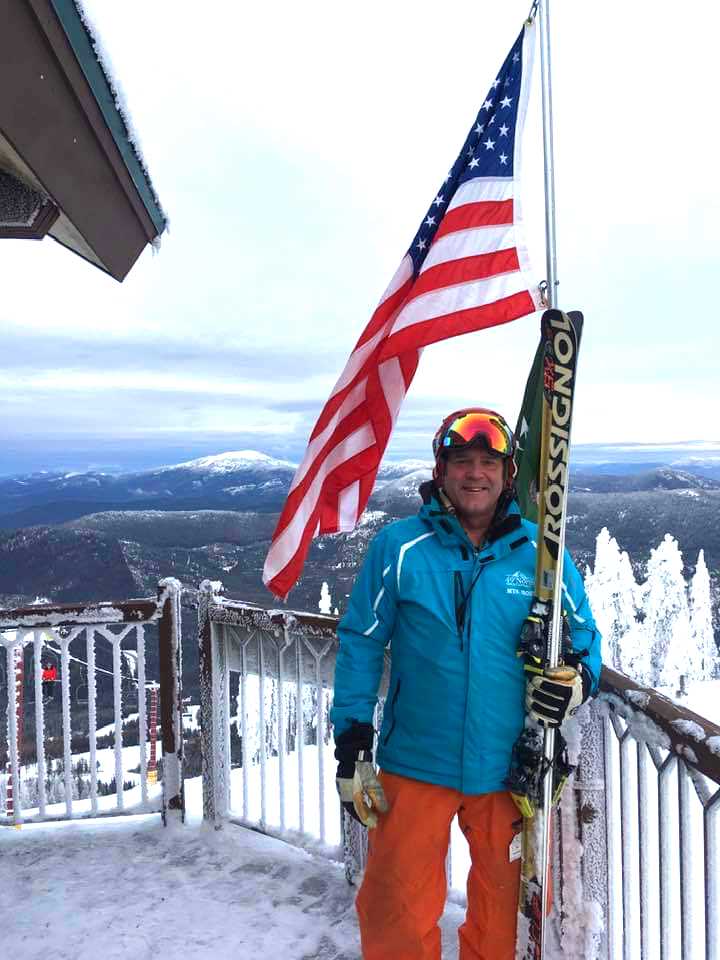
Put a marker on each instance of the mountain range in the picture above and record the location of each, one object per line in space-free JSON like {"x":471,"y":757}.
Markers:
{"x":234,"y":498}
{"x":94,"y":536}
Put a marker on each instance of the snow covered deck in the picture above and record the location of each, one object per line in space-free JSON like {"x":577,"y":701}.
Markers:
{"x":127,"y":887}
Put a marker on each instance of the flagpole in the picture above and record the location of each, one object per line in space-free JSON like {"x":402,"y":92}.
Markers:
{"x":546,"y":86}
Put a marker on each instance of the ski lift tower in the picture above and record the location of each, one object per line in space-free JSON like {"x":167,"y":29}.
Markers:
{"x":152,"y":765}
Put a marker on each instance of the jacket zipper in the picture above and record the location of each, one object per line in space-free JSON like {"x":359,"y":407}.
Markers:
{"x":463,"y":609}
{"x":392,"y":707}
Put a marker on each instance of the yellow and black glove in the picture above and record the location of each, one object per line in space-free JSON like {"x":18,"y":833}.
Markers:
{"x":361,"y":793}
{"x":554,"y":694}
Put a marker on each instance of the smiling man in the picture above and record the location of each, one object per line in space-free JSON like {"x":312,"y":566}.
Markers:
{"x":448,"y":590}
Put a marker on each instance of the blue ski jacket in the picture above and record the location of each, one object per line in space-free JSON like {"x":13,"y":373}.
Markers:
{"x":455,"y":703}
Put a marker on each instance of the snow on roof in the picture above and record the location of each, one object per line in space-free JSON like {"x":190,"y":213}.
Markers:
{"x":133,"y":138}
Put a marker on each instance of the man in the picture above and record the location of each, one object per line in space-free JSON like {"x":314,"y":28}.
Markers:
{"x":48,"y":678}
{"x":449,"y":591}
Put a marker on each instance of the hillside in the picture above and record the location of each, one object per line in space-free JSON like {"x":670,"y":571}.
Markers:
{"x":244,"y":480}
{"x":638,"y":520}
{"x":64,"y":565}
{"x":119,"y":552}
{"x":181,"y":528}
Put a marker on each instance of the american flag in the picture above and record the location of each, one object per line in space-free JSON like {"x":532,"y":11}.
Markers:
{"x":465,"y":270}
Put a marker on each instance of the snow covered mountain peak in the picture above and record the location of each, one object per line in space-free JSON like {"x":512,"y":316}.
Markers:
{"x":232,"y":461}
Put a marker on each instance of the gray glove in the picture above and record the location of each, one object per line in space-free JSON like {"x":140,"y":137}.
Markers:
{"x":361,"y":793}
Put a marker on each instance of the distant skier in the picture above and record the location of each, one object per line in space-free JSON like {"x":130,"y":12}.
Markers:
{"x":449,"y":590}
{"x":49,"y":678}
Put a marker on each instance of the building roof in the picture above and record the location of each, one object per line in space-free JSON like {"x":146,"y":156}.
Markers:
{"x":70,"y":166}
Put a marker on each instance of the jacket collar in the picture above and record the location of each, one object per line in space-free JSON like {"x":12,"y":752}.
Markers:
{"x":505,"y":534}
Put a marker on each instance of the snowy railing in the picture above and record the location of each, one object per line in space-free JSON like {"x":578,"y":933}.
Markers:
{"x":57,"y":645}
{"x":265,"y":692}
{"x":268,"y":757}
{"x":646,"y":802}
{"x":641,"y":883}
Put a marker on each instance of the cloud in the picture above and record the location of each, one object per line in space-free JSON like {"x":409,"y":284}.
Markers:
{"x":295,"y":175}
{"x":46,"y":354}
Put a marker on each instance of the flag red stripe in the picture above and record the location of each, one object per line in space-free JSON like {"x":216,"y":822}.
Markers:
{"x":383,"y":316}
{"x":468,"y":268}
{"x":379,"y":415}
{"x":383,"y":312}
{"x":460,"y":321}
{"x":486,"y":213}
{"x":367,"y":463}
{"x":347,"y":426}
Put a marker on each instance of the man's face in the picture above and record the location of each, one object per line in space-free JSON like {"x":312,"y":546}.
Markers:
{"x":474,"y":480}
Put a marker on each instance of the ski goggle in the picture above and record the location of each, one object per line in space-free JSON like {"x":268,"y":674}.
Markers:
{"x":474,"y":426}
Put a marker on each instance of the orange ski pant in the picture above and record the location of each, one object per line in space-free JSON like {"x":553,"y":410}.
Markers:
{"x":403,"y":893}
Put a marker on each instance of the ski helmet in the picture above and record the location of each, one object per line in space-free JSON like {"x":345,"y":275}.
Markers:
{"x":473,"y":426}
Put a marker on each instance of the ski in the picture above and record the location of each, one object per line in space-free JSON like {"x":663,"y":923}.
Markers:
{"x":539,"y":765}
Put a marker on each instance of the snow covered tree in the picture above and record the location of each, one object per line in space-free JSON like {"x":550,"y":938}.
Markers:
{"x":250,"y":706}
{"x":667,"y":617}
{"x":309,"y":705}
{"x":325,"y":601}
{"x":705,"y":661}
{"x":272,"y":729}
{"x":55,"y":787}
{"x":613,"y":594}
{"x":290,"y":700}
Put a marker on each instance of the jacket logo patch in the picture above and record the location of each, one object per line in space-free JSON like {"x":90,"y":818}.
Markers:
{"x":519,"y":583}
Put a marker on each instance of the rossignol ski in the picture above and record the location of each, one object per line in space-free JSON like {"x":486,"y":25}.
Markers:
{"x":539,"y":765}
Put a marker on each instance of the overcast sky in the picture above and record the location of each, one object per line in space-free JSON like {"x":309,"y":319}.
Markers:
{"x":295,"y":148}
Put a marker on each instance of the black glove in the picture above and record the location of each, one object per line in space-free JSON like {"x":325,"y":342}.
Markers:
{"x":553,"y":695}
{"x":360,"y":790}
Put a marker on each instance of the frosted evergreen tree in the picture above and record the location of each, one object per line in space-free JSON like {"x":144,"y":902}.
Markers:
{"x":667,"y":616}
{"x":613,"y":594}
{"x":249,"y":705}
{"x":290,"y":702}
{"x":272,"y":729}
{"x":309,"y":706}
{"x":325,"y":601}
{"x":705,"y":661}
{"x":55,"y":788}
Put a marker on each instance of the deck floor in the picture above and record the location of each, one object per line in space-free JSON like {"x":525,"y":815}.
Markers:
{"x":128,"y":889}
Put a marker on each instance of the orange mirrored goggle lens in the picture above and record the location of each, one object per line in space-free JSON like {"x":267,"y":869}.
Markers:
{"x":478,"y":426}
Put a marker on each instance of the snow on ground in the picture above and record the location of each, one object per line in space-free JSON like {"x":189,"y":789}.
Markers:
{"x":703,"y":697}
{"x":310,"y":804}
{"x":128,"y":887}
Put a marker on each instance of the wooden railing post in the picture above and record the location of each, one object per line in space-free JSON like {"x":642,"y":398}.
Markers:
{"x":173,"y":790}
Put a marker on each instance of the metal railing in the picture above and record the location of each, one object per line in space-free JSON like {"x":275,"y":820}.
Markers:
{"x":265,"y":686}
{"x":648,"y":787}
{"x":635,"y":862}
{"x":69,"y":637}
